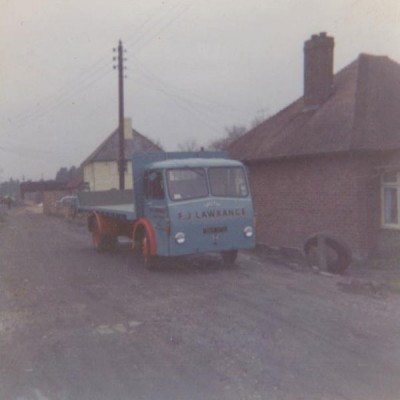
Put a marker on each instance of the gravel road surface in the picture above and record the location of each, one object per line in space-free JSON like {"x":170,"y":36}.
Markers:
{"x":79,"y":325}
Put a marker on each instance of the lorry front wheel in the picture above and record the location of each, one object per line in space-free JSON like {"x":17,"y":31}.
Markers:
{"x":229,"y":257}
{"x":148,"y":260}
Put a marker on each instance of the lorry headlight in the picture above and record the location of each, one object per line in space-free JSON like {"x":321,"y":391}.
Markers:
{"x":180,"y":238}
{"x":248,"y":231}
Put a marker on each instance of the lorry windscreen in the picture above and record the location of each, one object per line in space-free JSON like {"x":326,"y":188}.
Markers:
{"x":228,"y":182}
{"x":187,"y":183}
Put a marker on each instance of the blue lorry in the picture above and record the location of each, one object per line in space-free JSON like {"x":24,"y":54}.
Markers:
{"x":181,"y":203}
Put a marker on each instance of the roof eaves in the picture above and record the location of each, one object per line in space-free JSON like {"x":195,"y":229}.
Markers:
{"x":283,"y":158}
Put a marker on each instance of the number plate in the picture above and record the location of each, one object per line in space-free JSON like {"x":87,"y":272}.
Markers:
{"x":215,"y":229}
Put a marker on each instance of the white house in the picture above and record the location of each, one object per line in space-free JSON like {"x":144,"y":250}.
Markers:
{"x":100,"y":169}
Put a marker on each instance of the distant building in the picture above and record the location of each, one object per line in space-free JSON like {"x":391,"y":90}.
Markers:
{"x":330,"y":161}
{"x":100,"y":169}
{"x":34,"y":190}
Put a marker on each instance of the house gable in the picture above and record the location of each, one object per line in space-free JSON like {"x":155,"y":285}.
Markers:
{"x":100,"y":169}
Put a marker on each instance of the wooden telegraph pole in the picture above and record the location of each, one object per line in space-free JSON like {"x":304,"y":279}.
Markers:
{"x":121,"y":152}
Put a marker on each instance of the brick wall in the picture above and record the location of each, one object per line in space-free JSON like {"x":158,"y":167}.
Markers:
{"x":296,"y":198}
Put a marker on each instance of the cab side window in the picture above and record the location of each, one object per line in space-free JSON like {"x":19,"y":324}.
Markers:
{"x":153,"y":185}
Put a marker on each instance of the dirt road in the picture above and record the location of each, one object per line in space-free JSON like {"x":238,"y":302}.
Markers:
{"x":77,"y":325}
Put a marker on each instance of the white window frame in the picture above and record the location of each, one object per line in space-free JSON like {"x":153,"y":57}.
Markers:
{"x":387,"y":184}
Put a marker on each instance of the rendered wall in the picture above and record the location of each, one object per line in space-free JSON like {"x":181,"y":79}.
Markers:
{"x":104,"y":176}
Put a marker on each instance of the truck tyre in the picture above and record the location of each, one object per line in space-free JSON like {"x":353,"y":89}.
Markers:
{"x":110,"y":242}
{"x":102,"y":241}
{"x":229,"y":257}
{"x":148,"y":260}
{"x":98,"y":241}
{"x":343,"y":254}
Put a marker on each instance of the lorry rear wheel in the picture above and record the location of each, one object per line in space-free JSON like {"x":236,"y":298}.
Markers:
{"x":110,"y":242}
{"x":229,"y":257}
{"x":102,"y":241}
{"x":98,"y":241}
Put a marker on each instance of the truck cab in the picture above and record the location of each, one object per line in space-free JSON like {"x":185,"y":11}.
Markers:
{"x":196,"y":205}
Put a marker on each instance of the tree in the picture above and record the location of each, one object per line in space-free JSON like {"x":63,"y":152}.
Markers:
{"x":62,"y":175}
{"x":232,"y":133}
{"x":189,"y":145}
{"x":65,"y":175}
{"x":256,"y":121}
{"x":261,"y":116}
{"x":72,"y":172}
{"x":10,"y":188}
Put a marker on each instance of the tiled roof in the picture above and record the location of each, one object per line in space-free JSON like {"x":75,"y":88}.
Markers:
{"x":108,"y":150}
{"x":362,"y":114}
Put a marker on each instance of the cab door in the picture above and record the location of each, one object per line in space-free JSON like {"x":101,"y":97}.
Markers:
{"x":155,"y":208}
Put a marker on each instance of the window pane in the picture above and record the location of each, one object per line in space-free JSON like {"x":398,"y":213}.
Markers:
{"x":228,"y":182}
{"x":187,"y":183}
{"x":154,"y":185}
{"x":390,"y":205}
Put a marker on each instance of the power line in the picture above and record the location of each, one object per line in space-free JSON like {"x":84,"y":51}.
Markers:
{"x":85,"y":79}
{"x":61,"y":100}
{"x":164,"y":25}
{"x":67,"y":89}
{"x":204,"y":110}
{"x":135,"y":38}
{"x":193,"y":95}
{"x":185,"y":106}
{"x":198,"y":107}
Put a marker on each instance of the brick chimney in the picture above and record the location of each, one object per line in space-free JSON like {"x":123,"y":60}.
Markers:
{"x":318,"y":70}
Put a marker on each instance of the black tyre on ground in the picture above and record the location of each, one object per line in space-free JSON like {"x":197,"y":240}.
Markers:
{"x":342,"y":253}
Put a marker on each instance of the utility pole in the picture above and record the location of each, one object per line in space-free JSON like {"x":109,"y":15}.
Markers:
{"x":121,"y":147}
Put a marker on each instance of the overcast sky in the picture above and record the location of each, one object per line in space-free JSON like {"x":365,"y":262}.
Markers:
{"x":194,"y":68}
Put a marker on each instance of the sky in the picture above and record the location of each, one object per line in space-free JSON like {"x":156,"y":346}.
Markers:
{"x":194,"y":68}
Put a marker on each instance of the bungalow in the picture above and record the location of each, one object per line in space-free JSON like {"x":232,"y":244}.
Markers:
{"x":330,"y":161}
